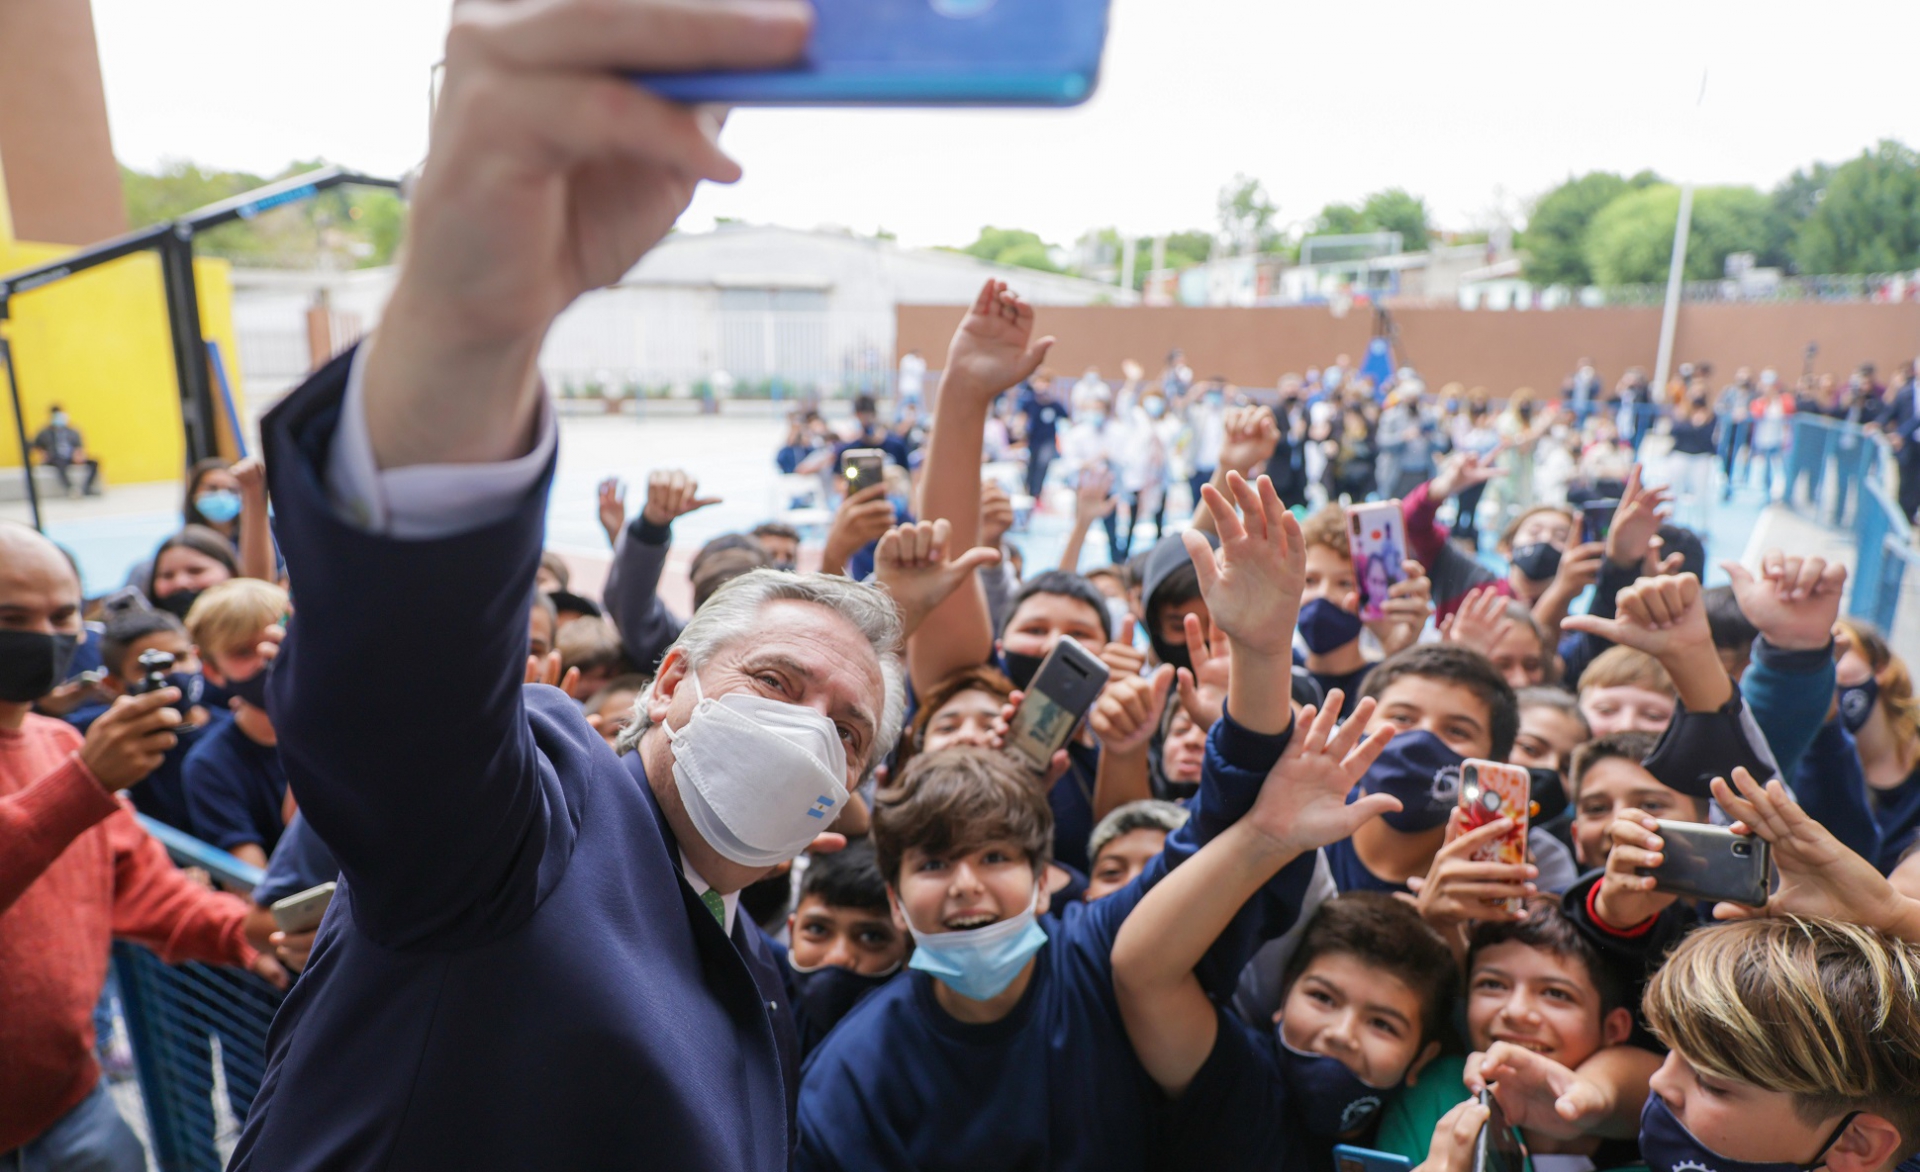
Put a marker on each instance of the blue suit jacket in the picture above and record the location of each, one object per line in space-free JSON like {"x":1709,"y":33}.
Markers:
{"x":513,"y":973}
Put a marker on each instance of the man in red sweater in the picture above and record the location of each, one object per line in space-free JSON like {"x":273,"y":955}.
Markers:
{"x":76,"y":870}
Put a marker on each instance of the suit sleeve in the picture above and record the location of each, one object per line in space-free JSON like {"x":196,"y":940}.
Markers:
{"x":397,"y":698}
{"x":632,"y":593}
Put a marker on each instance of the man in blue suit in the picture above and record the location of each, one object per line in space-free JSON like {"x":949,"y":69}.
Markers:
{"x":535,"y":959}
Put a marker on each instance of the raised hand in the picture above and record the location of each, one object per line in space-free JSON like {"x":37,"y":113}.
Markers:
{"x":1461,"y":471}
{"x":916,"y":565}
{"x":1093,"y":497}
{"x":1408,"y":606}
{"x":861,"y":518}
{"x":1120,"y":655}
{"x":1819,"y":876}
{"x":1579,"y":568}
{"x":547,"y":671}
{"x":1637,"y":521}
{"x":1127,"y":714}
{"x":1203,"y":690}
{"x":613,"y":507}
{"x":1794,"y":602}
{"x":671,"y":495}
{"x":1626,"y":897}
{"x":550,"y":173}
{"x":1251,"y":437}
{"x":1459,"y":888}
{"x":1303,"y":802}
{"x":1480,"y":622}
{"x":1252,"y":583}
{"x":996,"y":513}
{"x":252,"y":475}
{"x":1662,"y":616}
{"x":994,"y":348}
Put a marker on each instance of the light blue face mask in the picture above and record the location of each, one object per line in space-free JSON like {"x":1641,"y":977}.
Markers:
{"x":979,"y":963}
{"x":219,"y":506}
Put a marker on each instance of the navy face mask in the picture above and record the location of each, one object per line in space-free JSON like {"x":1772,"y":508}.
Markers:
{"x":1667,"y":1146}
{"x":253,"y":689}
{"x":1325,"y":627}
{"x":1856,"y":704}
{"x":32,"y":663}
{"x":178,"y":603}
{"x":1538,"y":561}
{"x":824,"y":995}
{"x":1330,"y":1099}
{"x":1419,"y":769}
{"x":1021,"y":668}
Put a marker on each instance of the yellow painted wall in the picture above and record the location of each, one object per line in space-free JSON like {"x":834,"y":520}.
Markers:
{"x":97,"y":344}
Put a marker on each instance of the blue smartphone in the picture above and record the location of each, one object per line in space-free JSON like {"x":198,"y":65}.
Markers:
{"x":923,"y":53}
{"x":1347,"y":1158}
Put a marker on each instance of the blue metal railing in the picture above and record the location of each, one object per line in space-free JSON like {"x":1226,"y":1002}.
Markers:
{"x":199,"y":1032}
{"x":1849,"y":478}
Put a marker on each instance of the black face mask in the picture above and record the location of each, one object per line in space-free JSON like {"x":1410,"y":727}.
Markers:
{"x":1538,"y":561}
{"x":32,"y":663}
{"x":825,"y":995}
{"x":253,"y":689}
{"x":178,"y":603}
{"x":1021,"y":668}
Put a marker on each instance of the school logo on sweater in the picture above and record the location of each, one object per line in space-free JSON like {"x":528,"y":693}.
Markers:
{"x":1358,"y":1112}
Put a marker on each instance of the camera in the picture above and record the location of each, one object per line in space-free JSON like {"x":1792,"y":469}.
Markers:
{"x":156,"y":672}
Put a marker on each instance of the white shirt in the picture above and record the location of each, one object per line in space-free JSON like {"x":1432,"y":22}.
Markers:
{"x":428,"y":501}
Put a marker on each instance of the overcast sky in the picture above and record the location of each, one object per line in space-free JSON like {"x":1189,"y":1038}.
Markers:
{"x":1474,"y":105}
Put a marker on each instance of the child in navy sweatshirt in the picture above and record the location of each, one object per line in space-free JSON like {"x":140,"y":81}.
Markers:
{"x":1003,"y":1047}
{"x":236,"y":788}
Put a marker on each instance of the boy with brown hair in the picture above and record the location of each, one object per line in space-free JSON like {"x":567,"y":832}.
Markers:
{"x":236,"y":787}
{"x":1003,"y":1047}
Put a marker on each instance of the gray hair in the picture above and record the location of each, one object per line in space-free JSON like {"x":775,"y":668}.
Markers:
{"x":1146,"y":814}
{"x":734,"y":611}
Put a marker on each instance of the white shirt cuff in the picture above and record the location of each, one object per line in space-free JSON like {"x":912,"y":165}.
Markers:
{"x":425,"y":501}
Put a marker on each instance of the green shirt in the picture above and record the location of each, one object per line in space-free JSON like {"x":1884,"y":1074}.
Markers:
{"x":1406,"y":1126}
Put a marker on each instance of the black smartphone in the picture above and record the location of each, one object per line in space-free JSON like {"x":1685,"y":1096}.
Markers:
{"x":1499,"y":1148}
{"x":154,"y":668}
{"x":1713,"y":863}
{"x":863,"y":468}
{"x":1596,"y":517}
{"x":1065,"y":687}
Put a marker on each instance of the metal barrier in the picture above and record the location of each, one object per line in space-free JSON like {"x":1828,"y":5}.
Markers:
{"x":199,"y":1032}
{"x":1850,"y":480}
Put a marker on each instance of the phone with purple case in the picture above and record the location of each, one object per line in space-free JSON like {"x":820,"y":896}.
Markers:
{"x":1377,"y":537}
{"x":922,"y":53}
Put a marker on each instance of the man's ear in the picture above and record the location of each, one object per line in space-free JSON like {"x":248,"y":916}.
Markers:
{"x":1427,"y":1054}
{"x":1616,"y":1026}
{"x":1869,"y":1144}
{"x":666,"y":682}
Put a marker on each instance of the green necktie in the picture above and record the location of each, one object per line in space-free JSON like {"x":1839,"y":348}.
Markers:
{"x":716,"y":905}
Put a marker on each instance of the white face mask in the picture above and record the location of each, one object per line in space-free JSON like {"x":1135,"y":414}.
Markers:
{"x":759,"y":777}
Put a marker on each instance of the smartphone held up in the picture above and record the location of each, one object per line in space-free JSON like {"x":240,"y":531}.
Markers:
{"x":923,"y":53}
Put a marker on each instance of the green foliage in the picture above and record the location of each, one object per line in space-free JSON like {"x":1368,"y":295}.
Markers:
{"x":1867,"y":219}
{"x":1555,"y":237}
{"x":1013,"y":246}
{"x":1246,"y":216}
{"x":1187,"y":248}
{"x":344,"y":227}
{"x":1630,"y":241}
{"x":1390,"y":210}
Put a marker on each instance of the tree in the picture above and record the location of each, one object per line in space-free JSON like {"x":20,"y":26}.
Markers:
{"x":351,"y":227}
{"x":1246,"y":216}
{"x":1188,"y":248}
{"x":1393,"y":210}
{"x":1013,"y":246}
{"x":1390,"y":210}
{"x":1868,"y":218}
{"x":1794,"y":200}
{"x":1555,"y":238}
{"x":1631,"y":241}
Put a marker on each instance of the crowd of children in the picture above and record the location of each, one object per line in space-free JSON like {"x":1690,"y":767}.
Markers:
{"x":1244,"y":916}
